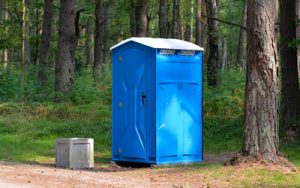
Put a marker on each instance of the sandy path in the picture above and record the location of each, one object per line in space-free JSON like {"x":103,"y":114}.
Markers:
{"x":23,"y":175}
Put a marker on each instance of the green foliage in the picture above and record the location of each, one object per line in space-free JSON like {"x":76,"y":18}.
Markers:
{"x":223,"y":113}
{"x":85,"y":90}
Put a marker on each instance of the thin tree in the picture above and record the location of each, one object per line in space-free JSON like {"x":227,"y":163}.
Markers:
{"x":25,"y":34}
{"x":89,"y":31}
{"x":188,"y":26}
{"x":98,"y":55}
{"x":261,"y":136}
{"x":213,"y":44}
{"x":198,"y":23}
{"x":106,"y":31}
{"x":45,"y":41}
{"x":163,"y":19}
{"x":6,"y":58}
{"x":177,"y":32}
{"x":242,"y":39}
{"x":64,"y":67}
{"x":298,"y":33}
{"x":289,"y":82}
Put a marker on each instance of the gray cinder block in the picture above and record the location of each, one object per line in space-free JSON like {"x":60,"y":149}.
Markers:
{"x":75,"y":152}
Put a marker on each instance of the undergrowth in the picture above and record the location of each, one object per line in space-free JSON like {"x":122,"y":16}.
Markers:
{"x":29,"y":123}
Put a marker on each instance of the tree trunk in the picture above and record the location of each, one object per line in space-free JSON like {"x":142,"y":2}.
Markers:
{"x":198,"y":23}
{"x":224,"y":55}
{"x":170,"y":18}
{"x":106,"y":32}
{"x":89,"y":54}
{"x":213,"y":44}
{"x":290,"y":85}
{"x":98,"y":55}
{"x":262,"y":88}
{"x":65,"y":76}
{"x":2,"y":3}
{"x":177,"y":33}
{"x":141,"y":16}
{"x":298,"y":34}
{"x":242,"y":40}
{"x":163,"y":19}
{"x":188,"y":27}
{"x":132,"y":19}
{"x":6,"y":49}
{"x":37,"y":32}
{"x":25,"y":36}
{"x":45,"y":42}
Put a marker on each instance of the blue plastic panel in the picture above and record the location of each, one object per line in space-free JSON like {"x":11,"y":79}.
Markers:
{"x":133,"y":135}
{"x":178,"y":108}
{"x":130,"y":104}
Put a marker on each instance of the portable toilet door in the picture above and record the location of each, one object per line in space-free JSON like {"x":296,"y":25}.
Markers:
{"x":157,"y":101}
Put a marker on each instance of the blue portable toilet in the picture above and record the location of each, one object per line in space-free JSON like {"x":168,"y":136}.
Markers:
{"x":157,"y":101}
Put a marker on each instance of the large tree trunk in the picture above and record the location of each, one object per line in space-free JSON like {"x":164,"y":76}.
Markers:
{"x":98,"y":55}
{"x":177,"y":33}
{"x":188,"y":27}
{"x":25,"y":37}
{"x":242,"y":40}
{"x":262,"y":88}
{"x":65,"y":76}
{"x":106,"y":32}
{"x":214,"y":48}
{"x":198,"y":23}
{"x":45,"y":42}
{"x":89,"y":53}
{"x":290,"y":85}
{"x":141,"y":16}
{"x":163,"y":19}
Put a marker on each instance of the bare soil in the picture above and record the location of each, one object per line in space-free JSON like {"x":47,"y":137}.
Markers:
{"x":14,"y":175}
{"x":26,"y":175}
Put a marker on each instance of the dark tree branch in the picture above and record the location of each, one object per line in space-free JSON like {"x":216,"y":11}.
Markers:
{"x":227,"y":22}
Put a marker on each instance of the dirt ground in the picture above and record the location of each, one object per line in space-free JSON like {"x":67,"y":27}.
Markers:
{"x":24,"y":175}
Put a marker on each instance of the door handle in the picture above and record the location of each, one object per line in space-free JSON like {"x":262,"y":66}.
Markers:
{"x":143,"y":98}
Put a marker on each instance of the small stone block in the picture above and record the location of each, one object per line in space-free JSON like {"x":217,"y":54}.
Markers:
{"x":74,"y":153}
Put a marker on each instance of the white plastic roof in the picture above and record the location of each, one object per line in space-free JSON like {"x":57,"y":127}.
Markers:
{"x":161,"y":43}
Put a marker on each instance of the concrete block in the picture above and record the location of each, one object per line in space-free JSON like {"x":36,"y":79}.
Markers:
{"x":74,"y":153}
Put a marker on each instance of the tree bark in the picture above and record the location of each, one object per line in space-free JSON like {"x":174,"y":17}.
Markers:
{"x":198,"y":23}
{"x":45,"y":42}
{"x":106,"y":32}
{"x":298,"y":34}
{"x":177,"y":33}
{"x":89,"y":53}
{"x":98,"y":55}
{"x":65,"y":76}
{"x":25,"y":35}
{"x":213,"y":44}
{"x":6,"y":59}
{"x":2,"y":3}
{"x":188,"y":27}
{"x":242,"y":40}
{"x":224,"y":61}
{"x":163,"y":19}
{"x":290,"y":84}
{"x":261,"y":135}
{"x":132,"y":19}
{"x":141,"y":15}
{"x":37,"y":32}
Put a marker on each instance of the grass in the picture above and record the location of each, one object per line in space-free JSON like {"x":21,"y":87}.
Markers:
{"x":28,"y":132}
